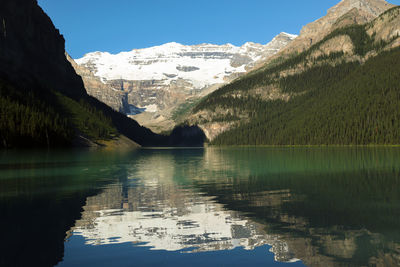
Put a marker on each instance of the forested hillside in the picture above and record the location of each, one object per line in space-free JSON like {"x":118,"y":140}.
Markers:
{"x":33,"y":118}
{"x":323,"y":95}
{"x":43,"y":102}
{"x":360,"y":108}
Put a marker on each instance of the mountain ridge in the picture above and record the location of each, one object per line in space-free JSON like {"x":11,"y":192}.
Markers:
{"x":315,"y":31}
{"x":159,"y":80}
{"x":236,"y":103}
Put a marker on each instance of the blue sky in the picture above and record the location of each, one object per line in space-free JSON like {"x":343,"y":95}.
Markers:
{"x":123,"y":25}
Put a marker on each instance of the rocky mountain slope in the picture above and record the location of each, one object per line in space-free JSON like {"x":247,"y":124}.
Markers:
{"x":346,"y":12}
{"x":291,"y":80}
{"x":156,"y":81}
{"x":96,"y":88}
{"x":32,"y":48}
{"x":43,"y":102}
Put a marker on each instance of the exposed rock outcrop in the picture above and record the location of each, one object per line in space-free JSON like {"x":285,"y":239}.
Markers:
{"x":345,"y":13}
{"x":387,"y":26}
{"x":31,"y":48}
{"x":340,"y":43}
{"x":95,"y":87}
{"x":157,"y":81}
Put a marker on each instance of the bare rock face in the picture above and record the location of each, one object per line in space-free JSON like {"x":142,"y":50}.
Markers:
{"x":32,"y":50}
{"x":212,"y":130}
{"x":277,"y":44}
{"x":387,"y":26}
{"x":340,"y":43}
{"x":95,"y":87}
{"x":354,"y":16}
{"x":345,"y":13}
{"x":150,"y":84}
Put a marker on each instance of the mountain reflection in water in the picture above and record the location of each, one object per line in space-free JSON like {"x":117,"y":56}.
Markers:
{"x":320,"y":206}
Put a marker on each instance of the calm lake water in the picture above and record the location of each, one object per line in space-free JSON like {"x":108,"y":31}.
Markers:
{"x":201,"y":207}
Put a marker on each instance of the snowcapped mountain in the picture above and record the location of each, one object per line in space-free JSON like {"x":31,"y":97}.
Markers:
{"x":202,"y":65}
{"x":159,"y":79}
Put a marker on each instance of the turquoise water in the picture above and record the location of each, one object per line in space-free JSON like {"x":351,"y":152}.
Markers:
{"x":201,"y":207}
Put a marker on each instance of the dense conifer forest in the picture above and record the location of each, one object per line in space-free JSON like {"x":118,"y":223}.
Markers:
{"x":332,"y":99}
{"x":37,"y":118}
{"x":346,"y":104}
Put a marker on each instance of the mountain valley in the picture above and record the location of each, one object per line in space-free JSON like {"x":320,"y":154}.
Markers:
{"x":155,"y":84}
{"x":310,"y":89}
{"x":285,"y":153}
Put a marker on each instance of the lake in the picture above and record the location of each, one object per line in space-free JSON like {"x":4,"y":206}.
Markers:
{"x":299,"y":206}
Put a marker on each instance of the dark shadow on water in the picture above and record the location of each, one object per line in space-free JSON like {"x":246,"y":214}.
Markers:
{"x":187,"y":136}
{"x":41,"y":197}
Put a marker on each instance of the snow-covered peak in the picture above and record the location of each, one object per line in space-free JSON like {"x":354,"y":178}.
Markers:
{"x":292,"y":36}
{"x":284,"y":36}
{"x":201,"y":65}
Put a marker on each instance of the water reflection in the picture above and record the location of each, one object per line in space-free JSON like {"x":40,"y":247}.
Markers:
{"x":333,"y":206}
{"x":322,"y":206}
{"x":41,"y":195}
{"x":327,"y":207}
{"x":157,"y":208}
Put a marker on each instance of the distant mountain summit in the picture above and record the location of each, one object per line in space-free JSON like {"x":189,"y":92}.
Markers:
{"x":202,"y":65}
{"x":158,"y":80}
{"x":362,"y":11}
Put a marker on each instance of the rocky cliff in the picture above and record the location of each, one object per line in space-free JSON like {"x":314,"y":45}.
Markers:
{"x":32,"y":49}
{"x":344,"y":13}
{"x":95,"y":87}
{"x":157,"y":81}
{"x":37,"y":80}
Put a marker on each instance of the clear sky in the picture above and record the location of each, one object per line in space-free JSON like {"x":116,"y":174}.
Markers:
{"x":123,"y":25}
